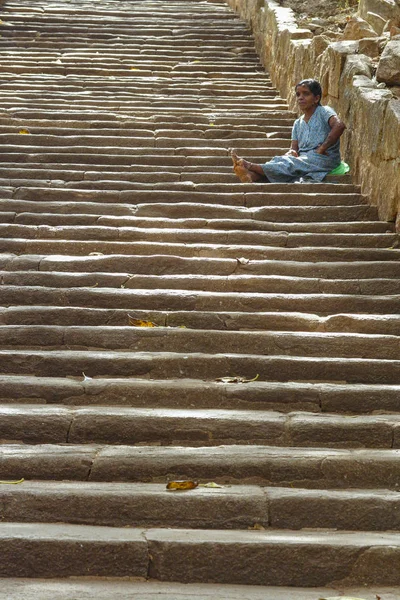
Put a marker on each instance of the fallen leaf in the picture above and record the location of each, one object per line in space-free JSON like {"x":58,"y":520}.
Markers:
{"x":182,"y":485}
{"x":210,"y":484}
{"x":342,"y":598}
{"x":236,"y":379}
{"x":243,"y":261}
{"x":24,"y":131}
{"x":134,"y":69}
{"x":139,"y":323}
{"x":96,"y":254}
{"x":257,"y":527}
{"x":211,"y":124}
{"x":13,"y":482}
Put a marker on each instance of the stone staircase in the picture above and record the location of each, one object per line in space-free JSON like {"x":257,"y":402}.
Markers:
{"x":118,"y":202}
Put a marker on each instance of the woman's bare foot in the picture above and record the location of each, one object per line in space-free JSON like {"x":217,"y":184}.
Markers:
{"x":246,"y":171}
{"x":240,"y":167}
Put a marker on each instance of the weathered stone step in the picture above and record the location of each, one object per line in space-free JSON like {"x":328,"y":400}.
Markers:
{"x":187,"y":393}
{"x":252,"y":252}
{"x":151,"y":505}
{"x":142,"y":505}
{"x":185,"y":300}
{"x":65,"y":589}
{"x":177,"y":131}
{"x":174,"y":265}
{"x":97,"y":188}
{"x":313,"y":468}
{"x":216,"y":283}
{"x":198,"y":365}
{"x":274,"y":121}
{"x":44,"y":218}
{"x":188,"y":210}
{"x":342,"y":192}
{"x":250,"y":196}
{"x":35,"y":424}
{"x":209,"y":235}
{"x":152,"y":339}
{"x":34,"y":550}
{"x":120,"y":144}
{"x":378,"y":324}
{"x":198,"y":115}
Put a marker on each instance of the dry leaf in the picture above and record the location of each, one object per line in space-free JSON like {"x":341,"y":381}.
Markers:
{"x":236,"y":379}
{"x":96,"y":254}
{"x":182,"y":485}
{"x":134,"y":69}
{"x":243,"y":261}
{"x":13,"y":482}
{"x":139,"y":323}
{"x":342,"y":598}
{"x":210,"y":484}
{"x":24,"y":131}
{"x":257,"y":527}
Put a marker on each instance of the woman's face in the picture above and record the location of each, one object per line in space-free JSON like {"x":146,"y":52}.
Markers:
{"x":305,"y":98}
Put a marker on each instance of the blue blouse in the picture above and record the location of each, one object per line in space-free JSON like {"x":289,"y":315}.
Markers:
{"x":310,"y":135}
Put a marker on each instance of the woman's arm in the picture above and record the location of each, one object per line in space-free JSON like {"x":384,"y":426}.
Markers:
{"x":337,"y":128}
{"x":294,"y":149}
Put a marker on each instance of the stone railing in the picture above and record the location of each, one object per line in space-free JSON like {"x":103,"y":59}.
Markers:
{"x":371,"y":110}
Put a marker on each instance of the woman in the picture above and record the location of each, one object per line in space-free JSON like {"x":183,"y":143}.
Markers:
{"x":315,"y":147}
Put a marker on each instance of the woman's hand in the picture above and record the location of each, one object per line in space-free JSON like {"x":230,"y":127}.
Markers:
{"x":321,"y":149}
{"x":291,"y":152}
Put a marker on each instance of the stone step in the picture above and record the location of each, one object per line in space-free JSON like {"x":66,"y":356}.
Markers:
{"x":186,"y":340}
{"x":184,"y":191}
{"x":174,"y":265}
{"x":58,"y":220}
{"x":184,"y":300}
{"x":35,"y":550}
{"x":378,"y":324}
{"x":274,"y":121}
{"x":36,"y":424}
{"x":187,"y":393}
{"x":314,"y":468}
{"x":227,"y":507}
{"x":195,"y":236}
{"x":216,"y":283}
{"x":250,"y":195}
{"x":252,"y":252}
{"x":64,"y":589}
{"x":190,"y":210}
{"x":154,"y":140}
{"x":199,"y":365}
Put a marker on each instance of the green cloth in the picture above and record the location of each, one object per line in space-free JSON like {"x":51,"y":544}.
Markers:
{"x":342,"y":169}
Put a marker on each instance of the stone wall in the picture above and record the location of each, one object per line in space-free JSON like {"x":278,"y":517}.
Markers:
{"x":371,"y":110}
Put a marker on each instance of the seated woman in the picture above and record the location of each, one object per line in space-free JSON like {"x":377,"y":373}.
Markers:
{"x":315,"y":147}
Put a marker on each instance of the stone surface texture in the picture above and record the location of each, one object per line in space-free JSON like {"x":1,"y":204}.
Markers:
{"x":161,"y":321}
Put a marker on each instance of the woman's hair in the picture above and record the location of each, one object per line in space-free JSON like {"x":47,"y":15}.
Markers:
{"x":313,"y":85}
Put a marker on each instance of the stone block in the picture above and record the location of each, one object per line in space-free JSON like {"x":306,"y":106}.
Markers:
{"x":389,"y":65}
{"x":370,"y":47}
{"x":387,"y":9}
{"x":357,"y":29}
{"x":332,"y":65}
{"x":377,"y":22}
